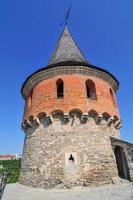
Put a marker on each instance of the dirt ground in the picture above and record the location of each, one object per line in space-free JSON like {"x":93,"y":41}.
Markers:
{"x":17,"y":191}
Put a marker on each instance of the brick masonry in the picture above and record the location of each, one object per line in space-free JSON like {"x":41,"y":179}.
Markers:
{"x":67,"y":140}
{"x":74,"y":125}
{"x":44,"y":97}
{"x":54,"y":71}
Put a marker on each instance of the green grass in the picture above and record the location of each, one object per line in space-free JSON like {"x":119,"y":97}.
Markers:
{"x":12,"y":167}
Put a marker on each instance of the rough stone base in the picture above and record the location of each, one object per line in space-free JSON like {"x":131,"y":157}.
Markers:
{"x":48,"y":148}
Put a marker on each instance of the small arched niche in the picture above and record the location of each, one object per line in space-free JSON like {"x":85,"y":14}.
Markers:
{"x":60,"y":88}
{"x":41,"y":116}
{"x":25,"y":121}
{"x":57,"y":114}
{"x":116,"y":118}
{"x":31,"y":118}
{"x":93,"y":114}
{"x":75,"y":113}
{"x":90,"y":90}
{"x":106,"y":116}
{"x":71,"y":159}
{"x":75,"y":116}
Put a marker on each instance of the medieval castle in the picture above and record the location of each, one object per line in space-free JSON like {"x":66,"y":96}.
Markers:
{"x":71,"y":123}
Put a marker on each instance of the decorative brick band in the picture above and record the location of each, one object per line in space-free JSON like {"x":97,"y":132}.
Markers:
{"x":117,"y":123}
{"x":67,"y":70}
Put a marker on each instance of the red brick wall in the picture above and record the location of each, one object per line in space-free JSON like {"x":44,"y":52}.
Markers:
{"x":44,"y":97}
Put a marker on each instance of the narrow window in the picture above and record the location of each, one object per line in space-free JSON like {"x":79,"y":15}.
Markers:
{"x":91,"y":90}
{"x":112,"y":97}
{"x":60,"y":89}
{"x":71,"y":158}
{"x":88,"y":91}
{"x":30,"y":98}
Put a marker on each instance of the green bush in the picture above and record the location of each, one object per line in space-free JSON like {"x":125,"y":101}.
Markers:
{"x":12,"y":167}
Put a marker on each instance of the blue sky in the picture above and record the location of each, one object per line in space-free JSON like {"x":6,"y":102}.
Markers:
{"x":29,"y":30}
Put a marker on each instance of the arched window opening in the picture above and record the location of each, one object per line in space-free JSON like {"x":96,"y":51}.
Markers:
{"x":60,"y":88}
{"x":91,"y":90}
{"x":30,"y":97}
{"x":112,"y":97}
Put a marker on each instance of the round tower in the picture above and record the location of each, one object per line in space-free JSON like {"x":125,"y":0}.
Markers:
{"x":70,"y":114}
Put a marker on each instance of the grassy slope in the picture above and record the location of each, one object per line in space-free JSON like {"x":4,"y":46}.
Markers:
{"x":12,"y":167}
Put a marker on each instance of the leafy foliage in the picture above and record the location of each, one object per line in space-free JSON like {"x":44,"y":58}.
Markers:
{"x":12,"y":167}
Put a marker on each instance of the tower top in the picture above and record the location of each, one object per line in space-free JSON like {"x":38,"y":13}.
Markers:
{"x":66,"y":56}
{"x":67,"y":50}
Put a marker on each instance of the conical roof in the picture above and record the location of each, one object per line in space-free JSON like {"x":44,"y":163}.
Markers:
{"x":67,"y":50}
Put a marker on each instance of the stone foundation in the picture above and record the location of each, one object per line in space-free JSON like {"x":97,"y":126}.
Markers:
{"x":69,"y":152}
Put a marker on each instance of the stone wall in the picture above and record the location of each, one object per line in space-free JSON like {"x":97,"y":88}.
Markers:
{"x":50,"y":145}
{"x":128,"y":150}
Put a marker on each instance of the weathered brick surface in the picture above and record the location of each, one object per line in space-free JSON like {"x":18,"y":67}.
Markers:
{"x":44,"y":97}
{"x":70,"y":145}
